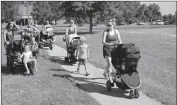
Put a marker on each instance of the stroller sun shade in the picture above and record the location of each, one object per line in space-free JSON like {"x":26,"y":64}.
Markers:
{"x":125,"y":55}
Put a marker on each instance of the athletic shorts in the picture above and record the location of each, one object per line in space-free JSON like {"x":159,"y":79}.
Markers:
{"x":106,"y":51}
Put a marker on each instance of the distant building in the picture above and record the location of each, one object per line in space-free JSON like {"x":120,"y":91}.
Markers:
{"x":25,"y":9}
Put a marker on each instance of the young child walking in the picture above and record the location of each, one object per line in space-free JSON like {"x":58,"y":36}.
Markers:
{"x":83,"y":54}
{"x":28,"y":57}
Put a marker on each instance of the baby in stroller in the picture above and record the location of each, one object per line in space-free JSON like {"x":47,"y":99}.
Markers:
{"x":72,"y":42}
{"x":125,"y":59}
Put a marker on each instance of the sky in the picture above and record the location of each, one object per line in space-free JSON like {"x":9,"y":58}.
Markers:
{"x":165,"y":7}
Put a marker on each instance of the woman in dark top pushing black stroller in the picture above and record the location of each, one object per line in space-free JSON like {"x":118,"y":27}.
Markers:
{"x":124,"y":58}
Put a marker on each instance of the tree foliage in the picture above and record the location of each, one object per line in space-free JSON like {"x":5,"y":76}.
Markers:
{"x":9,"y":10}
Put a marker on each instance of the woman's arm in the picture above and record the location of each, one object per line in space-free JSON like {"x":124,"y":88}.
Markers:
{"x":5,"y":35}
{"x":104,"y":39}
{"x":22,"y":55}
{"x":118,"y":36}
{"x":75,"y":29}
{"x":67,"y":31}
{"x":16,"y":27}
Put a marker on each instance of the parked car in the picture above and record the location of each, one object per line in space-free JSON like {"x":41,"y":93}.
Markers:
{"x":159,"y":22}
{"x":153,"y":23}
{"x":94,"y":24}
{"x":121,"y":23}
{"x":140,"y":23}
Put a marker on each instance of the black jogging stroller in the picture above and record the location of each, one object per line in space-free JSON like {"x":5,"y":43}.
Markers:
{"x":125,"y":59}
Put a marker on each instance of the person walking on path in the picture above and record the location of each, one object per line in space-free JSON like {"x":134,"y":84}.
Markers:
{"x":110,"y":38}
{"x":83,"y":55}
{"x":71,"y":32}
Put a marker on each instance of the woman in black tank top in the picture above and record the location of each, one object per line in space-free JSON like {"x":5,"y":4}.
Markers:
{"x":110,"y":37}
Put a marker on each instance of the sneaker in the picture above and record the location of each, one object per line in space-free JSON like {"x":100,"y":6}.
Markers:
{"x":87,"y":74}
{"x":26,"y":73}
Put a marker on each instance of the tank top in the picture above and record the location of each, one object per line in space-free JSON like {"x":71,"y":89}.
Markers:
{"x":10,"y":36}
{"x":111,"y":38}
{"x":71,"y":31}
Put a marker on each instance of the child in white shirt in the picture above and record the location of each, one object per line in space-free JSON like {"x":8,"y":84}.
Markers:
{"x":83,"y":54}
{"x":28,"y":57}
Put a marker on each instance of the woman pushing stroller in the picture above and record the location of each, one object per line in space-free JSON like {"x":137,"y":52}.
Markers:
{"x":71,"y":32}
{"x":110,"y":38}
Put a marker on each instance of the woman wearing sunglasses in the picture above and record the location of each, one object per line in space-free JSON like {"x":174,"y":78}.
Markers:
{"x":9,"y":36}
{"x":71,"y":32}
{"x":110,"y":38}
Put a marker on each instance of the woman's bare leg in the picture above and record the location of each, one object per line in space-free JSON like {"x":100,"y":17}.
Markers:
{"x":109,"y":68}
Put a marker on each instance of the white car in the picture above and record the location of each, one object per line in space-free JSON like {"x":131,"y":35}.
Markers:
{"x":153,"y":23}
{"x":159,"y":22}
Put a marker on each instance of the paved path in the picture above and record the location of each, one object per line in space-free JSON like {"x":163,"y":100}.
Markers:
{"x":94,"y":84}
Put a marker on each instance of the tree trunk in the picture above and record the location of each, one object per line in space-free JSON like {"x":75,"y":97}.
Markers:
{"x":91,"y":19}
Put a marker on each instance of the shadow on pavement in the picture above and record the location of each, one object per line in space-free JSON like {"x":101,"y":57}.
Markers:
{"x":88,"y":85}
{"x":57,"y":59}
{"x":93,"y":87}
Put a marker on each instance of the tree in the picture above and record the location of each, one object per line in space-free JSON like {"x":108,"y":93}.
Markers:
{"x":44,"y":10}
{"x":129,"y":11}
{"x":140,"y":15}
{"x":153,"y":12}
{"x":82,"y":9}
{"x":9,"y":10}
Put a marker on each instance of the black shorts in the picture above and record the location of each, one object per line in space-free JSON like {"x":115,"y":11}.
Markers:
{"x":107,"y":51}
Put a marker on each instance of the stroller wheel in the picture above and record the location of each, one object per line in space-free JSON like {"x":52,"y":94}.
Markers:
{"x":108,"y":85}
{"x":118,"y":84}
{"x":131,"y":94}
{"x":136,"y":93}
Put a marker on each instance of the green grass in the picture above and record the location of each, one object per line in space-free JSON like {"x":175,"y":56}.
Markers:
{"x":157,"y":66}
{"x":46,"y":87}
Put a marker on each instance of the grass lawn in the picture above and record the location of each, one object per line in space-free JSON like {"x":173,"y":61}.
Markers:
{"x":157,"y":66}
{"x":46,"y":87}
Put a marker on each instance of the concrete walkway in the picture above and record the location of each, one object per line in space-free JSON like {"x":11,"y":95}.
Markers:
{"x":94,"y":84}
